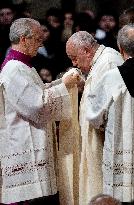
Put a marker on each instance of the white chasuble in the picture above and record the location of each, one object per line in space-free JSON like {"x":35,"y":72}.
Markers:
{"x":90,"y":175}
{"x":91,"y":156}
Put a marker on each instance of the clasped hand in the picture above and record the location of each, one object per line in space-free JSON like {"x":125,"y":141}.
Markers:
{"x":71,"y":78}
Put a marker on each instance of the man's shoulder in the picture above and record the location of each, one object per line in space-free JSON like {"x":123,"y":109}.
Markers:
{"x":113,"y":73}
{"x":11,"y":68}
{"x":113,"y":79}
{"x":112,"y":52}
{"x":112,"y":57}
{"x":13,"y":65}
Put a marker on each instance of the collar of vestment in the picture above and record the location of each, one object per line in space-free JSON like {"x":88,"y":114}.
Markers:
{"x":17,"y":55}
{"x":127,"y":73}
{"x":97,"y":54}
{"x":95,"y":58}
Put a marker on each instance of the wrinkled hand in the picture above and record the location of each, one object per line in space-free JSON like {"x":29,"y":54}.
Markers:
{"x":72,"y":70}
{"x":70,"y":79}
{"x":81,"y":85}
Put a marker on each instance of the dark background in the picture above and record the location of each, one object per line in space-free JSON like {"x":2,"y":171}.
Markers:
{"x":39,"y":7}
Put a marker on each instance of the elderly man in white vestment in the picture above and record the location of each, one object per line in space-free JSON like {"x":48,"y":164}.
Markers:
{"x":93,"y":60}
{"x":27,"y":111}
{"x":111,"y":105}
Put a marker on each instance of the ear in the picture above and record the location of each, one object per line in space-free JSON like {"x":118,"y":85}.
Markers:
{"x":87,"y":50}
{"x":121,"y":50}
{"x":123,"y":53}
{"x":22,"y":39}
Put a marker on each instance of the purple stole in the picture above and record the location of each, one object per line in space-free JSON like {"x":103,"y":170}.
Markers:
{"x":17,"y":55}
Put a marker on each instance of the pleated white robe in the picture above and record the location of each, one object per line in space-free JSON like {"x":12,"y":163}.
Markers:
{"x":90,"y":175}
{"x":27,"y":111}
{"x":111,"y":105}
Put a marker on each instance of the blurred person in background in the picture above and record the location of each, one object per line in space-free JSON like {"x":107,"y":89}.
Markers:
{"x":7,"y":14}
{"x":45,"y":75}
{"x":107,"y":23}
{"x":44,"y":68}
{"x":126,"y":17}
{"x":54,"y":17}
{"x":45,"y":54}
{"x":84,"y":22}
{"x":56,"y":47}
{"x":67,"y":25}
{"x":43,"y":50}
{"x":90,"y":12}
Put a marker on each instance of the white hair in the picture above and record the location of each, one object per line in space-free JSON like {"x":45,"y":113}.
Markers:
{"x":82,"y":39}
{"x":21,"y":26}
{"x":125,"y":39}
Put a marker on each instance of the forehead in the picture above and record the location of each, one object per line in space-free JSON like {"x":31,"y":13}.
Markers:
{"x":68,"y":16}
{"x":37,"y":30}
{"x":5,"y":11}
{"x":107,"y":17}
{"x":45,"y":71}
{"x":71,"y":48}
{"x":53,"y":18}
{"x":74,"y":52}
{"x":71,"y":51}
{"x":36,"y":27}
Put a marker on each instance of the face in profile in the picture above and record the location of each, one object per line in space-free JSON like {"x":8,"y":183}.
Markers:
{"x":81,"y":57}
{"x":35,"y":41}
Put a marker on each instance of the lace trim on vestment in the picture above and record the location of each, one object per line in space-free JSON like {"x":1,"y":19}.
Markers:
{"x":21,"y":153}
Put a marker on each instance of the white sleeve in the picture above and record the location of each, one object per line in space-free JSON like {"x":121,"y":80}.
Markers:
{"x":98,"y":102}
{"x":53,"y":83}
{"x":35,"y":103}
